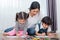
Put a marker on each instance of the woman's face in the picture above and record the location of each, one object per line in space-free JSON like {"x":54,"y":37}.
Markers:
{"x":33,"y":12}
{"x":21,"y":21}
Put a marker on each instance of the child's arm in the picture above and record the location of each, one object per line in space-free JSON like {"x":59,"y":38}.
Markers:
{"x":16,"y":30}
{"x":51,"y":34}
{"x":5,"y":34}
{"x":39,"y":34}
{"x":17,"y":34}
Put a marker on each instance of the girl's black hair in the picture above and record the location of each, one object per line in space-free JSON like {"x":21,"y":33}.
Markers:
{"x":47,"y":20}
{"x":35,"y":5}
{"x":22,"y":15}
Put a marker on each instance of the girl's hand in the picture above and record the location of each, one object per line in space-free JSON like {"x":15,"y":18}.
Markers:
{"x":5,"y":34}
{"x":17,"y":35}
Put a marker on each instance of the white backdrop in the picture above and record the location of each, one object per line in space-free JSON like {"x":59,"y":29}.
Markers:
{"x":8,"y":9}
{"x":58,"y":15}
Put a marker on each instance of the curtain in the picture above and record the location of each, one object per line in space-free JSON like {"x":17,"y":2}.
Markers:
{"x":51,"y":6}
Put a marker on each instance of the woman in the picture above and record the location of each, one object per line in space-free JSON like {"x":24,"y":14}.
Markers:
{"x":34,"y":17}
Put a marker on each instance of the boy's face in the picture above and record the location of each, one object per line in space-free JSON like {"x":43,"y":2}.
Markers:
{"x":21,"y":21}
{"x":45,"y":25}
{"x":34,"y":11}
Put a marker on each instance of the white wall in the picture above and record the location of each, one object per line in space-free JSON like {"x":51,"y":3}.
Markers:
{"x":58,"y":15}
{"x":8,"y":9}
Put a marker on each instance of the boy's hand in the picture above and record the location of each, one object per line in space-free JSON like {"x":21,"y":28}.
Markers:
{"x":38,"y":34}
{"x":43,"y":34}
{"x":51,"y":34}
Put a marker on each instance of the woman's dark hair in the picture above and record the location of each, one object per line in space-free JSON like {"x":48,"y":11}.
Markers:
{"x":35,"y":5}
{"x":21,"y":15}
{"x":47,"y":20}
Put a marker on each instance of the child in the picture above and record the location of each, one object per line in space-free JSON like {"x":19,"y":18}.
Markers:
{"x":21,"y":25}
{"x":46,"y":22}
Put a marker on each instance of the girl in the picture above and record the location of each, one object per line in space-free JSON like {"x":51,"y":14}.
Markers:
{"x":21,"y":25}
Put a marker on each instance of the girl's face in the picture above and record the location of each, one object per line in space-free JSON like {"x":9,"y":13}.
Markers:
{"x":21,"y":21}
{"x":45,"y":25}
{"x":33,"y":12}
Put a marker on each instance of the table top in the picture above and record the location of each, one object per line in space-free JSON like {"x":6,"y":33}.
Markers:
{"x":22,"y":37}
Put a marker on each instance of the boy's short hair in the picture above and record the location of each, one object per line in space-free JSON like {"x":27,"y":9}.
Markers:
{"x":22,"y":15}
{"x":47,"y":20}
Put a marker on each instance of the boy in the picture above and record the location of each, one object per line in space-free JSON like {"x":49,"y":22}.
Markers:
{"x":46,"y":22}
